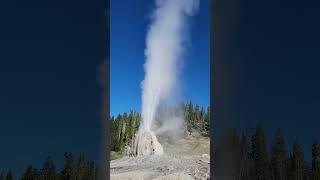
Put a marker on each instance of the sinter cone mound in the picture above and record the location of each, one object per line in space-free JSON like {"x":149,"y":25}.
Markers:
{"x":145,"y":143}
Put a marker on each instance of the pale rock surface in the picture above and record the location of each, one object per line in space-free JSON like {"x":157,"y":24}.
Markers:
{"x":145,"y":143}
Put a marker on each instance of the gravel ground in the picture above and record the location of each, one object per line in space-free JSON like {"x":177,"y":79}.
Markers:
{"x":187,"y":159}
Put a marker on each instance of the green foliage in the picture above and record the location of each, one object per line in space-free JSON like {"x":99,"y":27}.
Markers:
{"x":29,"y":174}
{"x":2,"y":175}
{"x":81,"y":170}
{"x":316,"y":161}
{"x":245,"y":169}
{"x":84,"y":170}
{"x":48,"y":170}
{"x":278,"y":157}
{"x":67,"y":171}
{"x":246,"y":157}
{"x":124,"y":127}
{"x":260,"y":155}
{"x":297,"y":162}
{"x":9,"y":175}
{"x":80,"y":167}
{"x":227,"y":156}
{"x":238,"y":157}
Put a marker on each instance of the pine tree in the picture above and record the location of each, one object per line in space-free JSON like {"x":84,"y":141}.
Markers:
{"x":307,"y":173}
{"x":119,"y":124}
{"x":278,"y":157}
{"x":202,"y":119}
{"x":9,"y":175}
{"x":260,"y":155}
{"x":80,"y":169}
{"x":123,"y":132}
{"x":48,"y":171}
{"x":35,"y":173}
{"x":227,"y":156}
{"x":85,"y":172}
{"x":190,"y":117}
{"x":207,"y":121}
{"x":2,"y":175}
{"x":197,"y":121}
{"x":316,"y":161}
{"x":129,"y":128}
{"x":236,"y":152}
{"x":67,"y":171}
{"x":137,"y":121}
{"x":297,"y":170}
{"x":113,"y":132}
{"x":245,"y":160}
{"x":92,"y":171}
{"x":28,"y":175}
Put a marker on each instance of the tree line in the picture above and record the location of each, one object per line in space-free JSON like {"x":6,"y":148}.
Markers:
{"x":73,"y":169}
{"x":241,"y":156}
{"x":124,"y":126}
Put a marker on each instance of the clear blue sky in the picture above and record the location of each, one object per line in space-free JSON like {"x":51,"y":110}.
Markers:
{"x":50,"y":98}
{"x":128,"y":22}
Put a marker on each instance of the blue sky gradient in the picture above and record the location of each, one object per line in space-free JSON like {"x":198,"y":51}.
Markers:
{"x":129,"y":23}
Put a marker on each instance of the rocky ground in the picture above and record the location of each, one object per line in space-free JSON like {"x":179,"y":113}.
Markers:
{"x":187,"y":158}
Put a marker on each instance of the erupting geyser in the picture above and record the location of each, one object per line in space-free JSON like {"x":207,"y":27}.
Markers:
{"x":164,"y":47}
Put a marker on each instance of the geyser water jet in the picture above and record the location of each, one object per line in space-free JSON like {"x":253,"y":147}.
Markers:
{"x":164,"y":47}
{"x":165,"y":43}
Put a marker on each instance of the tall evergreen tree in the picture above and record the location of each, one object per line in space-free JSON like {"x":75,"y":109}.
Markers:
{"x":48,"y":171}
{"x":202,"y":123}
{"x":92,"y":171}
{"x":9,"y":175}
{"x":28,"y":175}
{"x":86,"y":173}
{"x":278,"y":157}
{"x":67,"y":171}
{"x":123,"y":131}
{"x":129,"y":128}
{"x":190,"y":117}
{"x":36,"y":174}
{"x":138,"y":119}
{"x":197,"y":118}
{"x":227,"y":155}
{"x":316,"y":161}
{"x":207,"y":121}
{"x":119,"y":124}
{"x":260,"y":155}
{"x":297,"y":170}
{"x":80,"y":169}
{"x":245,"y":169}
{"x":2,"y":175}
{"x":114,"y":134}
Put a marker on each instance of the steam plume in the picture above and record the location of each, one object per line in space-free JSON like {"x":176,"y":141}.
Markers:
{"x":165,"y":43}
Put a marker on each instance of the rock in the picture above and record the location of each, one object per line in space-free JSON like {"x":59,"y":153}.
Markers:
{"x":145,"y":143}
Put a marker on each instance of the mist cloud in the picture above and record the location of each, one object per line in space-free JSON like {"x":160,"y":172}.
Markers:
{"x":165,"y":46}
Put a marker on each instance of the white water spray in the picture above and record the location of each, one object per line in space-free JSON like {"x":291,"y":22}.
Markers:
{"x":165,"y":43}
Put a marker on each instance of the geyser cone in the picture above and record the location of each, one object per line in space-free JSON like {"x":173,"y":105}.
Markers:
{"x":145,"y":143}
